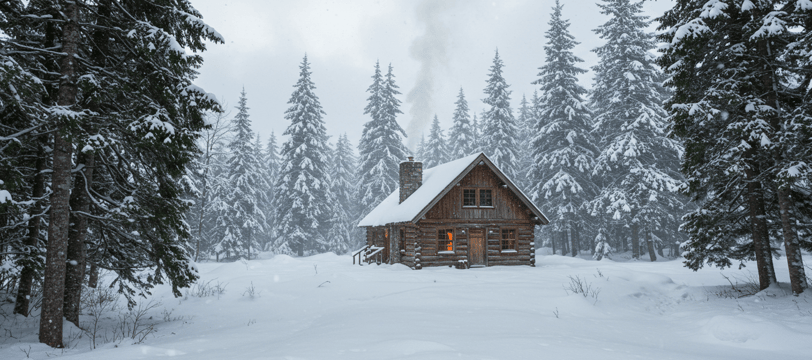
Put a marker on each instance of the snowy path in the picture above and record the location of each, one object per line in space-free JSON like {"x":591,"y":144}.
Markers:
{"x":391,"y":312}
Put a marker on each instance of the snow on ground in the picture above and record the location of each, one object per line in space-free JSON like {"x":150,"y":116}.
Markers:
{"x":323,"y":307}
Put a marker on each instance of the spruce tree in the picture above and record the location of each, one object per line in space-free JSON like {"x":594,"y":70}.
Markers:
{"x":499,"y":126}
{"x":476,"y":127}
{"x":271,"y":163}
{"x":461,"y":137}
{"x":525,"y":124}
{"x":117,"y":81}
{"x":381,"y":148}
{"x":735,"y":114}
{"x":638,"y":166}
{"x":435,"y":149}
{"x":241,"y":215}
{"x":302,"y":205}
{"x":563,"y":148}
{"x":343,"y":233}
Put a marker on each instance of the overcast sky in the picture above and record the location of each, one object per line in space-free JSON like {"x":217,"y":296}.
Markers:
{"x":435,"y":48}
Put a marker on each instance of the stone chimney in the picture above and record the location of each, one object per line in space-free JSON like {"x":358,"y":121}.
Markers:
{"x":411,"y":177}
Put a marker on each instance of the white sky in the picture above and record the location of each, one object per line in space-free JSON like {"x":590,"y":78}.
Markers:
{"x":266,"y":40}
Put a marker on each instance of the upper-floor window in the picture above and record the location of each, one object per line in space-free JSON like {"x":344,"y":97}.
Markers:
{"x":477,"y":197}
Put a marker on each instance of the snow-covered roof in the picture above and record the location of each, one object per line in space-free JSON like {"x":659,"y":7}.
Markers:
{"x":437,"y":181}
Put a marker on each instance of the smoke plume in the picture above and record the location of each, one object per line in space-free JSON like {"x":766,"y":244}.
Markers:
{"x":430,"y":49}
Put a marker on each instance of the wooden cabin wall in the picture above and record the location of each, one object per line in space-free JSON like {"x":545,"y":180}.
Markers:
{"x":525,"y":244}
{"x":506,"y":205}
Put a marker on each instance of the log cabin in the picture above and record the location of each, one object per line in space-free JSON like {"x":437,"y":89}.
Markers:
{"x":464,"y":213}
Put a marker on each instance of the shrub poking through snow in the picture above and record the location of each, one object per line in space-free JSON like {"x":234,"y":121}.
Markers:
{"x":578,"y":285}
{"x":206,"y":289}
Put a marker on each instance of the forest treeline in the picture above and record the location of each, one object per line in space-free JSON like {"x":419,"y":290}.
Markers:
{"x":112,"y":159}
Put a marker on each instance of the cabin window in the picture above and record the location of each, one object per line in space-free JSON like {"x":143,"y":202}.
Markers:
{"x":508,"y":240}
{"x":445,"y":240}
{"x":485,"y":197}
{"x":469,"y":197}
{"x":477,"y":197}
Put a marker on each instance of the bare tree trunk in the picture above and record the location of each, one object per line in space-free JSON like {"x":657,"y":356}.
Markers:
{"x":552,"y":241}
{"x":564,"y":248}
{"x":635,"y":240}
{"x":573,"y":248}
{"x":650,"y":244}
{"x":50,"y":325}
{"x":761,"y":241}
{"x":93,"y":278}
{"x":659,"y":249}
{"x":23,"y":300}
{"x":797,"y":275}
{"x":77,"y":250}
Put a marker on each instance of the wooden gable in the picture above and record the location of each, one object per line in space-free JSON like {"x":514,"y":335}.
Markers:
{"x":506,"y":205}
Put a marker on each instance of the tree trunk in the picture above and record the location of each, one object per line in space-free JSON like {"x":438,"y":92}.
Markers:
{"x":564,"y":248}
{"x":650,"y":244}
{"x":93,"y":278}
{"x":797,"y":275}
{"x":77,"y":250}
{"x":552,"y":241}
{"x":761,"y":241}
{"x":635,"y":240}
{"x":53,"y":293}
{"x":23,"y":301}
{"x":660,"y":249}
{"x":573,"y":248}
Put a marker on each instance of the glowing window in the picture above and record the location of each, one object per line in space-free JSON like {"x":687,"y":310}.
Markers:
{"x":445,"y":240}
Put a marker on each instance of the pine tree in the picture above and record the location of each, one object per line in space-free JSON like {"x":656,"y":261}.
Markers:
{"x":420,"y":153}
{"x":241,"y":215}
{"x":525,"y":124}
{"x":735,"y":115}
{"x":304,"y":181}
{"x":381,"y":148}
{"x":436,"y":149}
{"x":563,"y":148}
{"x":271,"y":162}
{"x":477,"y":134}
{"x":118,"y":91}
{"x":499,"y":134}
{"x":461,"y":137}
{"x":638,"y":166}
{"x":343,"y":234}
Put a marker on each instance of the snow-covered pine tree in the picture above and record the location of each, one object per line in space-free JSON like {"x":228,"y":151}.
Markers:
{"x":245,"y":189}
{"x":734,"y":114}
{"x":461,"y":137}
{"x":302,"y":200}
{"x":499,"y":126}
{"x":381,"y":148}
{"x":638,"y":166}
{"x":343,"y":235}
{"x":476,"y":131}
{"x":271,"y":162}
{"x":207,"y":176}
{"x":525,"y":123}
{"x":436,"y":149}
{"x":116,"y":89}
{"x":420,"y":153}
{"x":563,"y":147}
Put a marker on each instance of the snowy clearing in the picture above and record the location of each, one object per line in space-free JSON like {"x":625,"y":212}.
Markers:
{"x":323,"y":307}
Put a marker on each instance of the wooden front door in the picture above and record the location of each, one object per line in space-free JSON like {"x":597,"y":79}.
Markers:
{"x":476,"y":247}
